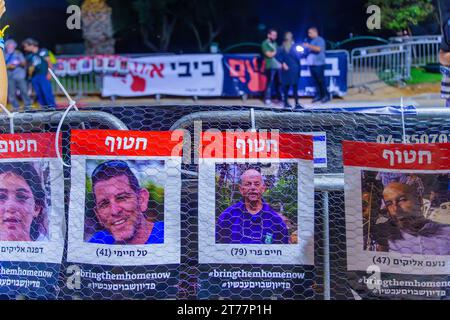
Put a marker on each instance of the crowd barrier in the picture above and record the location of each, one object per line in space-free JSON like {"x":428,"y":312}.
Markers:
{"x":193,"y":271}
{"x":388,"y":63}
{"x":424,"y":49}
{"x":392,"y":63}
{"x":238,"y":75}
{"x":193,"y":75}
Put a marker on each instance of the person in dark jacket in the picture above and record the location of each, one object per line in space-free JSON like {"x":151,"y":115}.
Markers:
{"x":444,"y":54}
{"x":290,"y":74}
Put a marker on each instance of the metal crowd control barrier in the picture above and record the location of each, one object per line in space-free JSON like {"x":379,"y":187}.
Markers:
{"x":329,"y":182}
{"x":30,"y":121}
{"x":424,"y":49}
{"x":367,"y":65}
{"x":48,"y":122}
{"x":389,"y":63}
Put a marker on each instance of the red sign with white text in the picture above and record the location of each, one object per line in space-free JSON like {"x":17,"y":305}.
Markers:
{"x":251,"y":145}
{"x":127,"y":143}
{"x":28,"y":145}
{"x":433,"y":156}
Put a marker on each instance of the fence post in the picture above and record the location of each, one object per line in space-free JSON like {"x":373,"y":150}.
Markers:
{"x":326,"y":247}
{"x":408,"y":63}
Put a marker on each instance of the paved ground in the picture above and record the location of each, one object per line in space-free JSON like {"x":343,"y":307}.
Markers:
{"x":425,"y":95}
{"x":376,"y":95}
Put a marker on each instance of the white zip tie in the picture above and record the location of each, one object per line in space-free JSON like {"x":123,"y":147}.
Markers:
{"x":252,"y":119}
{"x":58,"y":130}
{"x":10,"y":116}
{"x":72,"y":104}
{"x":403,"y":120}
{"x":62,"y":87}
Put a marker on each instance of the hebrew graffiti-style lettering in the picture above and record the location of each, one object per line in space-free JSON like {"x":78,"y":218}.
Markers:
{"x":157,"y":70}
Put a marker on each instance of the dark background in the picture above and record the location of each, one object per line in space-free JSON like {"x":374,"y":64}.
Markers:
{"x":45,"y":20}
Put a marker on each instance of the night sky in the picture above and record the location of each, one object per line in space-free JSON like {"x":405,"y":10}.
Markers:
{"x":46,"y":19}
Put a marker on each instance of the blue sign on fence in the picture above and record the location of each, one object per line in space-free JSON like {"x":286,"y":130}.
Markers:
{"x":244,"y":74}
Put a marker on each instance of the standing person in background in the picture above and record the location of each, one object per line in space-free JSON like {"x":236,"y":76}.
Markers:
{"x":38,"y":72}
{"x":3,"y":74}
{"x":316,"y":61}
{"x":444,"y":54}
{"x":273,"y":67}
{"x":16,"y":63}
{"x":444,"y":58}
{"x":290,"y":74}
{"x":49,"y":57}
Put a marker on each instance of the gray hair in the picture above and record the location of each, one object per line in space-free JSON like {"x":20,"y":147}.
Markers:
{"x":11,"y":42}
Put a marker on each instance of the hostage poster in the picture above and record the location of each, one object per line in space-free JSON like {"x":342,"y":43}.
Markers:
{"x":397,"y":219}
{"x":256,"y":215}
{"x":31,"y":215}
{"x":124,"y":217}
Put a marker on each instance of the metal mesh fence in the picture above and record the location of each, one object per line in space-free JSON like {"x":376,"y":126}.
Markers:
{"x":190,"y":279}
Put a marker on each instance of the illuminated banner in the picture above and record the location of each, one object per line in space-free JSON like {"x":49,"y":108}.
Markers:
{"x":181,"y":75}
{"x":256,"y":215}
{"x":125,"y":211}
{"x":245,"y":74}
{"x":31,"y":215}
{"x":398,"y":219}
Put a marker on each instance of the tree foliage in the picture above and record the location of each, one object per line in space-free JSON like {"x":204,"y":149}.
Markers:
{"x":158,"y":21}
{"x":399,"y":15}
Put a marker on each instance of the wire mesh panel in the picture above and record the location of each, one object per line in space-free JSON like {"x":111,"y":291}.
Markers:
{"x":405,"y":263}
{"x":31,"y":219}
{"x":124,"y":218}
{"x":397,"y":224}
{"x":256,"y":216}
{"x":191,"y":279}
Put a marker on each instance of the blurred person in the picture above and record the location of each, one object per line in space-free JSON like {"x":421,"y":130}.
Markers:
{"x":316,"y":62}
{"x":289,"y":58}
{"x":251,"y":220}
{"x":408,"y":231}
{"x":22,"y":203}
{"x":269,"y":48}
{"x":16,"y":65}
{"x":49,"y":57}
{"x":38,"y":73}
{"x":444,"y":54}
{"x":121,"y":205}
{"x":444,"y":58}
{"x":3,"y":72}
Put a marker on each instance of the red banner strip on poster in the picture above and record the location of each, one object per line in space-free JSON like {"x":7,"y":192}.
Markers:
{"x":127,"y":143}
{"x":259,"y":145}
{"x":28,"y":145}
{"x":433,"y":156}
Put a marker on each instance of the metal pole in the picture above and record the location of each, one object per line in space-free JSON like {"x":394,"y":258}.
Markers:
{"x":326,"y":248}
{"x":267,"y":118}
{"x":40,"y":118}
